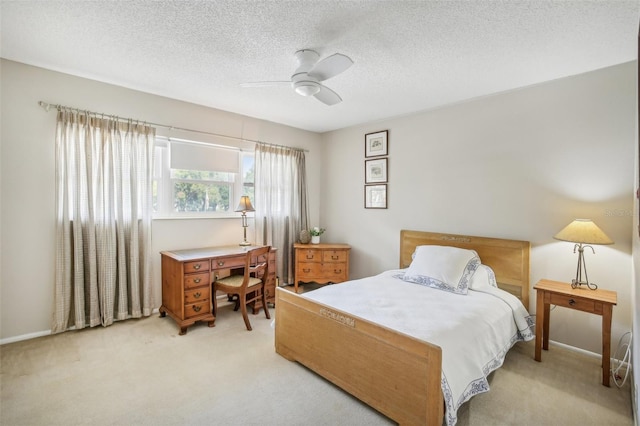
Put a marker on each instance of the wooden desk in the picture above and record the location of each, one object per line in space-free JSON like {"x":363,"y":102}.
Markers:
{"x":187,"y":276}
{"x":598,"y":302}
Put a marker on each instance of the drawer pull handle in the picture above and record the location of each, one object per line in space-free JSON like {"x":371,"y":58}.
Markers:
{"x":197,"y":266}
{"x":197,"y":308}
{"x":337,"y":271}
{"x":306,"y":270}
{"x":197,"y":280}
{"x":335,"y":257}
{"x":572,"y":302}
{"x":197,"y":295}
{"x":220,"y":263}
{"x":309,"y":256}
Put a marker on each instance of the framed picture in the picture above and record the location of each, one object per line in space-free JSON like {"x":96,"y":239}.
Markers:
{"x":375,"y":171}
{"x":376,"y":144}
{"x":375,"y":196}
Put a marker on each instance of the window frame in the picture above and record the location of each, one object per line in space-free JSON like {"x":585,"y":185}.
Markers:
{"x":165,"y":183}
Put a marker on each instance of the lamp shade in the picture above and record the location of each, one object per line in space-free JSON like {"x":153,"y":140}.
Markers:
{"x":583,"y":231}
{"x":245,"y":204}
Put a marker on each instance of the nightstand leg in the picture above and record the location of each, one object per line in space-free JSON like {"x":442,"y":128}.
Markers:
{"x":547,"y":320}
{"x":540,"y":318}
{"x":606,"y":343}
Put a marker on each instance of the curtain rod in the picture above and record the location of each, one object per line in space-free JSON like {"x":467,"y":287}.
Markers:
{"x":47,"y":106}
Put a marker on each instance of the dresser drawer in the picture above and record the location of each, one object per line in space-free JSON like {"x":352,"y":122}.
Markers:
{"x":334,"y":256}
{"x":197,"y":266}
{"x":196,"y":295}
{"x":334,"y":272}
{"x":196,"y":280}
{"x":229,"y":262}
{"x":198,"y":308}
{"x":310,"y":255}
{"x":306,"y":270}
{"x":572,"y":302}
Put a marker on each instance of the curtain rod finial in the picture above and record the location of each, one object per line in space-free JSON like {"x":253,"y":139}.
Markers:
{"x":44,"y":105}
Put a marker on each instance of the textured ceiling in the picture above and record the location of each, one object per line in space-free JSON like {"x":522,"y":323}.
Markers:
{"x":409,"y":55}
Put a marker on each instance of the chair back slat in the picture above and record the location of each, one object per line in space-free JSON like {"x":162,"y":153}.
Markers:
{"x":256,"y":273}
{"x":258,"y":267}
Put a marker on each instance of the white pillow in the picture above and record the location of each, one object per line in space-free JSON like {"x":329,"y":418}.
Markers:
{"x":483,"y":277}
{"x":442,"y":267}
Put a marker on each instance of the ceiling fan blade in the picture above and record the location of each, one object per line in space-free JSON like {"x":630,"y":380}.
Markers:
{"x":330,"y":66}
{"x":327,"y":96}
{"x":266,"y":84}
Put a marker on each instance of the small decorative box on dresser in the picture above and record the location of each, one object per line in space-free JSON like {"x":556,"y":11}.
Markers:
{"x":187,"y":276}
{"x":599,"y":302}
{"x":321,"y":263}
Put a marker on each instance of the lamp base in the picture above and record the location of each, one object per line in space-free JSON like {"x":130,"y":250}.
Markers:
{"x":245,"y":243}
{"x":579,"y":284}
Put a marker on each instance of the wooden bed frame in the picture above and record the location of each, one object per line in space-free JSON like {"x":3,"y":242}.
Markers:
{"x":396,"y":374}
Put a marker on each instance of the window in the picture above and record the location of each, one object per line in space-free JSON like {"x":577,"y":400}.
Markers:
{"x":248,"y":175}
{"x":200,"y":180}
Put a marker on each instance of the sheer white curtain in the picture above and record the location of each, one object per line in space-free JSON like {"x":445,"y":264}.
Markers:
{"x":103,"y":220}
{"x":280,"y":201}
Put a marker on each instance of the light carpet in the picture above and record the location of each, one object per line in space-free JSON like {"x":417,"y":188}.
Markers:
{"x":141,"y":372}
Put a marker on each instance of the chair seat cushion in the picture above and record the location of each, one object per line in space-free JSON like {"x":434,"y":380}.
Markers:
{"x":236,"y":281}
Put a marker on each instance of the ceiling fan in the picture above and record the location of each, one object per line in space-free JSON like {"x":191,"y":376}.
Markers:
{"x":308,"y":74}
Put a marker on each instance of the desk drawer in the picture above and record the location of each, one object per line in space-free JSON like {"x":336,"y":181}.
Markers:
{"x":228,"y":262}
{"x":196,"y":280}
{"x":196,"y":295}
{"x":573,"y":302}
{"x":197,"y":266}
{"x":196,"y":309}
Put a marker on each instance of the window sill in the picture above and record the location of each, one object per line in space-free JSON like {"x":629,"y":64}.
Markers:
{"x":229,"y":216}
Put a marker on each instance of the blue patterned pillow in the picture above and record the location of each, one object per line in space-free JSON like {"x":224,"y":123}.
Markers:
{"x":442,"y":267}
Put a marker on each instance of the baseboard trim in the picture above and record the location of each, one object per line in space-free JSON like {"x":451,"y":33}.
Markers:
{"x":24,"y":337}
{"x":574,"y":349}
{"x":582,"y":351}
{"x":42,"y":333}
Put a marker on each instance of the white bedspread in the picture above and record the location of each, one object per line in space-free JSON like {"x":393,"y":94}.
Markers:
{"x":475,"y":331}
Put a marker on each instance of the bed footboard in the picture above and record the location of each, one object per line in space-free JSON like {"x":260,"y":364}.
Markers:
{"x":396,"y":374}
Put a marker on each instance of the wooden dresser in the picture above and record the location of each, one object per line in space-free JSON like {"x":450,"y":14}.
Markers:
{"x":321,"y":263}
{"x":187,"y":276}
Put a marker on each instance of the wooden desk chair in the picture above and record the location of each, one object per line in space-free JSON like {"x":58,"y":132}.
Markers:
{"x":248,"y":287}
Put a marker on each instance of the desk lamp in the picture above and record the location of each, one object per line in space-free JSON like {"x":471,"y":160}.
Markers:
{"x":245,"y":206}
{"x":582,"y":232}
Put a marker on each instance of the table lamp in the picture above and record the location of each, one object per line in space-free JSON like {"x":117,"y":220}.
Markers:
{"x":583,"y":232}
{"x":245,"y":206}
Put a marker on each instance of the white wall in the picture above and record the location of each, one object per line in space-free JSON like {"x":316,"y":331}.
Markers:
{"x":636,"y":321}
{"x":518,"y":165}
{"x":27,"y":179}
{"x":635,"y":292}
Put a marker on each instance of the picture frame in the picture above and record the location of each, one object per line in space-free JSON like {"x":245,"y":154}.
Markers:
{"x":375,"y":196}
{"x":376,"y":144}
{"x":375,"y":171}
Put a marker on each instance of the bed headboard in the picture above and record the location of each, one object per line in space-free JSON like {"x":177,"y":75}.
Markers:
{"x":509,"y":259}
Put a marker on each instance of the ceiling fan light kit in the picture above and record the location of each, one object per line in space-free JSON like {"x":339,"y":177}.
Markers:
{"x":309,"y":72}
{"x":306,"y":88}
